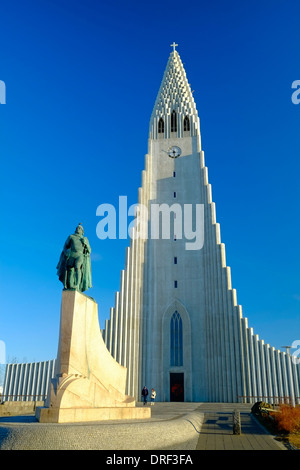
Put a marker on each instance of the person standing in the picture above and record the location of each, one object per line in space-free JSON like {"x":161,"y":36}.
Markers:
{"x":145,"y":394}
{"x":153,"y":396}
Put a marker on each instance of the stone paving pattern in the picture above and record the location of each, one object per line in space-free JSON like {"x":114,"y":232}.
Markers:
{"x":173,"y":426}
{"x":216,"y":433}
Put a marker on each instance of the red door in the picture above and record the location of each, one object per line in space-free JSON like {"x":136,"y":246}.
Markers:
{"x":176,"y":386}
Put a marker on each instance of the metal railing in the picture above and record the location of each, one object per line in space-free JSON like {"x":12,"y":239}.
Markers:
{"x":4,"y":398}
{"x":280,"y":400}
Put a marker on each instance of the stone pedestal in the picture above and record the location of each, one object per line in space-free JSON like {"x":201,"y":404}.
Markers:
{"x":89,"y":385}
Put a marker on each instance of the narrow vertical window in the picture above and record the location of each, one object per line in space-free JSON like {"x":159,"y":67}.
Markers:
{"x":161,"y":126}
{"x":175,"y":259}
{"x":175,"y":195}
{"x":175,"y":284}
{"x":173,"y":121}
{"x":174,"y":174}
{"x":176,"y":350}
{"x":186,"y":124}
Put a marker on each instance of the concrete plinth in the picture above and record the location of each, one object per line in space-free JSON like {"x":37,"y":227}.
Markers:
{"x":76,"y":415}
{"x":89,"y":385}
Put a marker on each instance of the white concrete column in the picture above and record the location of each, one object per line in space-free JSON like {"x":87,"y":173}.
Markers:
{"x":257,"y":367}
{"x":290,"y":379}
{"x":253,"y":382}
{"x":279,"y":374}
{"x":269,"y":380}
{"x":121,"y":315}
{"x":273,"y":373}
{"x":284,"y":374}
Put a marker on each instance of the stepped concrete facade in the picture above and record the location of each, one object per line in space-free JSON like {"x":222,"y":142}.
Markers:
{"x":176,"y":324}
{"x":27,"y":381}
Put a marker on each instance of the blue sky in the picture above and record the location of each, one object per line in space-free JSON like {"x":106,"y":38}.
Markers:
{"x":81,"y":80}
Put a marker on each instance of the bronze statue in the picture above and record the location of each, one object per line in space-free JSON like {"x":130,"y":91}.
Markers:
{"x":74,"y":266}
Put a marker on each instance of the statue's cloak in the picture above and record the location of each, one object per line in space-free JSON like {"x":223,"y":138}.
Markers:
{"x":86,"y":278}
{"x":62,"y":268}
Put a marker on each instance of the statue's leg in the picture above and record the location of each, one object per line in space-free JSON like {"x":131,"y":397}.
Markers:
{"x":78,"y":270}
{"x":70,"y":273}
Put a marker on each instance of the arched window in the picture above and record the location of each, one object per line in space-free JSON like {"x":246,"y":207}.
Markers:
{"x":173,"y":121}
{"x":176,"y":351}
{"x":186,"y":124}
{"x":161,"y":126}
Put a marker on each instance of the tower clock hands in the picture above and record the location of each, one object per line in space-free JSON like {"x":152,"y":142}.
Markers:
{"x":174,"y":151}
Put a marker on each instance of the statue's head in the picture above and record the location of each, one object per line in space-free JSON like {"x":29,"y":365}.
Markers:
{"x":79,"y":229}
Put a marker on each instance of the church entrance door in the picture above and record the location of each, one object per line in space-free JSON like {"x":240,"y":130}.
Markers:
{"x":176,"y":386}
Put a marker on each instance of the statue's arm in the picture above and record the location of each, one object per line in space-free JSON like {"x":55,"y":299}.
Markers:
{"x":66,"y":245}
{"x":86,"y":244}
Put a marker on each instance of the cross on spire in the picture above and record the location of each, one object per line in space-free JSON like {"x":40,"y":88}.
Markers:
{"x":173,"y":45}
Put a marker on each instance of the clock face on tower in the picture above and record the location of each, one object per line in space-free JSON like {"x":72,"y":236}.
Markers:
{"x":174,"y":152}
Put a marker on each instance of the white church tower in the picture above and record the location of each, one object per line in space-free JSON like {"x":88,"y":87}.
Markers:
{"x":176,"y":324}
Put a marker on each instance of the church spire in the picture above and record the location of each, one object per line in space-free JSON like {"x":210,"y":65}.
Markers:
{"x":174,"y":113}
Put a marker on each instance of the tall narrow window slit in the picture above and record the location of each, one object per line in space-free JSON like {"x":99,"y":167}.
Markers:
{"x":161,"y":126}
{"x":186,"y":124}
{"x":173,"y":121}
{"x":176,"y":350}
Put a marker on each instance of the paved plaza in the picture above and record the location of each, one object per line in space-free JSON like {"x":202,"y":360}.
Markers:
{"x":173,"y":426}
